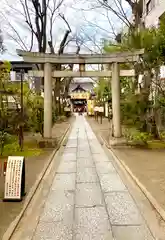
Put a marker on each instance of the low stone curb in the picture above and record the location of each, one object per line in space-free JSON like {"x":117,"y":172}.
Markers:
{"x":148,"y":195}
{"x":8,"y":234}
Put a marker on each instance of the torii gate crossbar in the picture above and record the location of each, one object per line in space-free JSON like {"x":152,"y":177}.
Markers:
{"x":114,"y":59}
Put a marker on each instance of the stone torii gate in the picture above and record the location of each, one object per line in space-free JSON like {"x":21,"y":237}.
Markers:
{"x":111,"y":59}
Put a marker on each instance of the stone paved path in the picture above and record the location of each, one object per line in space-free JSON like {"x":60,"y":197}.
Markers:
{"x":88,"y":200}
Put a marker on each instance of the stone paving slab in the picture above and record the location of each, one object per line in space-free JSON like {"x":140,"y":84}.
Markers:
{"x":85,"y":163}
{"x":70,"y":150}
{"x":64,"y":182}
{"x":88,"y":195}
{"x":111,"y":182}
{"x":72,"y":141}
{"x":82,"y":142}
{"x":122,"y":209}
{"x":100,"y":158}
{"x":84,"y":145}
{"x":96,"y":149}
{"x":81,"y":137}
{"x":92,"y":137}
{"x":88,"y":200}
{"x":73,"y":138}
{"x":105,"y":167}
{"x":132,"y":233}
{"x":84,"y":154}
{"x":91,"y":224}
{"x":59,"y":207}
{"x":53,"y":231}
{"x":71,"y":145}
{"x":87,"y":175}
{"x":69,"y":157}
{"x":95,"y":143}
{"x":67,"y":167}
{"x":83,"y":148}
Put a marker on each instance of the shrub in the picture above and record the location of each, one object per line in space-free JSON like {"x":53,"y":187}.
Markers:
{"x":11,"y":148}
{"x":136,"y":136}
{"x":162,"y":135}
{"x":62,"y":118}
{"x":54,"y":116}
{"x":141,"y":137}
{"x":5,"y":138}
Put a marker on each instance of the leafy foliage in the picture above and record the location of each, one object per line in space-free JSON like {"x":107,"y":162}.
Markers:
{"x":10,"y":114}
{"x":138,"y":137}
{"x":138,"y":110}
{"x":33,"y":106}
{"x":103,"y":88}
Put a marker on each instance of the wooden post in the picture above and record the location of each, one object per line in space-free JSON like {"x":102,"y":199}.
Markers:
{"x":101,"y":117}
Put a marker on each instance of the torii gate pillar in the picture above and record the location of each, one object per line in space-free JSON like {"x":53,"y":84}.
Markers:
{"x":47,"y":100}
{"x":116,"y":100}
{"x":115,"y":59}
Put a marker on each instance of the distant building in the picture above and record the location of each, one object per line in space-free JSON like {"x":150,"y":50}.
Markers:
{"x":87,"y":86}
{"x":153,"y":10}
{"x":80,"y":91}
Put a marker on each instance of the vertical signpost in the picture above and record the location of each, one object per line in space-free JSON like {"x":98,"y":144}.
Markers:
{"x":106,"y":109}
{"x":101,"y":111}
{"x":96,"y":110}
{"x":14,"y":179}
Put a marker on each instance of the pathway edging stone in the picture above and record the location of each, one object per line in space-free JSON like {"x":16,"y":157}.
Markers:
{"x":8,"y":234}
{"x":151,"y":199}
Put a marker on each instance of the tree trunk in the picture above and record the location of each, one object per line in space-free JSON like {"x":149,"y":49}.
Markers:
{"x":146,"y":92}
{"x":67,"y":84}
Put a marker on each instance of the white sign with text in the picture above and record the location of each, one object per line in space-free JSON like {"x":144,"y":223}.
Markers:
{"x":13,"y":178}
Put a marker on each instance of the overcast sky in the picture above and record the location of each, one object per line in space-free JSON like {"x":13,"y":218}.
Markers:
{"x":87,"y":22}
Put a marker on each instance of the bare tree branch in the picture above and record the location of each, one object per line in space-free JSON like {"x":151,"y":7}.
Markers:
{"x":2,"y":48}
{"x":18,"y":38}
{"x":52,"y":19}
{"x":105,"y":5}
{"x":28,"y":20}
{"x":121,"y":14}
{"x":64,"y":40}
{"x":63,"y":17}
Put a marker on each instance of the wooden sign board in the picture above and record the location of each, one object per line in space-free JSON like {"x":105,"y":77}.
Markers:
{"x":14,"y":179}
{"x":101,"y":109}
{"x":96,"y":109}
{"x":66,"y":109}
